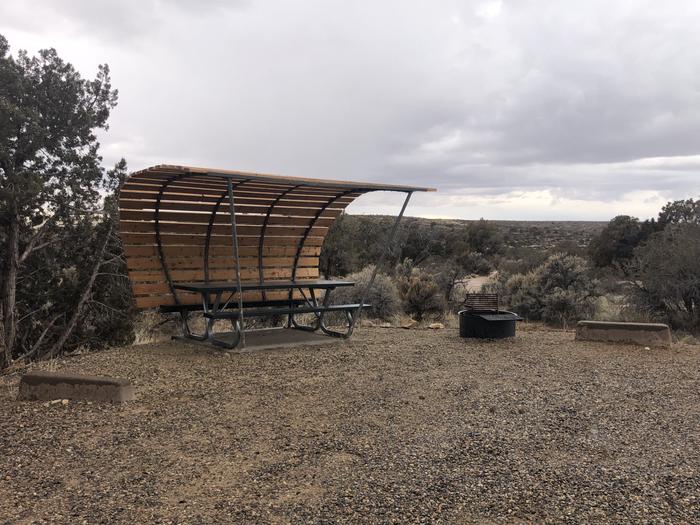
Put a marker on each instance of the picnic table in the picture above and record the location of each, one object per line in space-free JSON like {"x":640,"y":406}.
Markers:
{"x":219,"y":302}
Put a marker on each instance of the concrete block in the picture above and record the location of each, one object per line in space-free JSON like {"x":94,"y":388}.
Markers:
{"x":645,"y":334}
{"x":45,"y":386}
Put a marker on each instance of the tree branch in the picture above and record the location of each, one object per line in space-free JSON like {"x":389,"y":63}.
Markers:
{"x":32,"y":245}
{"x":87,"y":292}
{"x":37,"y":344}
{"x":113,"y":275}
{"x":118,"y":312}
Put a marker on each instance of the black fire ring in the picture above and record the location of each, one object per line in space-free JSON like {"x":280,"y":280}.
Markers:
{"x":487,"y":324}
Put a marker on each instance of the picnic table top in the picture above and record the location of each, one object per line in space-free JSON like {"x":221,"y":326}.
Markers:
{"x":267,"y":285}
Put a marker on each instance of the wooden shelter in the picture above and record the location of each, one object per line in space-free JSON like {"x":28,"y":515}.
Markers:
{"x":184,"y":224}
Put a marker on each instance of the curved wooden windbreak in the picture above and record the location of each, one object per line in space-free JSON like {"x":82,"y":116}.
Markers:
{"x":176,"y":227}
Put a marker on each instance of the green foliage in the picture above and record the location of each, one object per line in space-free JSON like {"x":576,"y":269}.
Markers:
{"x":617,"y":241}
{"x":48,"y":148}
{"x":559,"y":291}
{"x":485,"y":238}
{"x":62,"y":272}
{"x":679,"y":212}
{"x":336,"y":256}
{"x":522,"y":259}
{"x":419,"y":291}
{"x":474,"y":263}
{"x":383,"y":296}
{"x":667,"y":271}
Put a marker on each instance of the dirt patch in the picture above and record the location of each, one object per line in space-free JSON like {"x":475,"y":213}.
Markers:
{"x":392,"y":426}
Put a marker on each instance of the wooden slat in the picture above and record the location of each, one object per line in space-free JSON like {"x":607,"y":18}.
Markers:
{"x":153,"y":263}
{"x":135,"y":190}
{"x":163,"y":288}
{"x":239,"y":200}
{"x":214,"y":187}
{"x":218,"y":229}
{"x":183,"y":187}
{"x":142,"y":276}
{"x":214,"y":251}
{"x":208,"y":206}
{"x":220,"y":218}
{"x":153,"y":301}
{"x":216,"y":240}
{"x":332,"y":211}
{"x":258,"y":185}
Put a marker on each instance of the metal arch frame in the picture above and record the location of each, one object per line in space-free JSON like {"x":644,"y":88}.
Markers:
{"x":184,"y":313}
{"x":159,"y":242}
{"x":300,"y":247}
{"x":238,"y":323}
{"x":263,"y":231}
{"x":207,"y":239}
{"x":311,"y":225}
{"x":210,"y":228}
{"x":387,"y":247}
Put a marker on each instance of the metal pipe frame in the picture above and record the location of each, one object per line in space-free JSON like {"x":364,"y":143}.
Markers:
{"x":387,"y":246}
{"x":210,"y":228}
{"x":261,"y":244}
{"x":234,"y":236}
{"x":159,"y":242}
{"x":300,"y":246}
{"x":207,"y":239}
{"x":313,"y":222}
{"x":184,"y":314}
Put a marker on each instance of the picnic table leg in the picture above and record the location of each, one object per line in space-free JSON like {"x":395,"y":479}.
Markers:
{"x":187,"y":331}
{"x":236,"y":337}
{"x":314,"y":303}
{"x":235,"y":324}
{"x":335,"y":333}
{"x":185,"y":325}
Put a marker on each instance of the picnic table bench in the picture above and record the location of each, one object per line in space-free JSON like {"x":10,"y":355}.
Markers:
{"x":233,"y":244}
{"x":216,"y":306}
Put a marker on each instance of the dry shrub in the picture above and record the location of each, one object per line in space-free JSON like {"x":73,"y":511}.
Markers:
{"x":559,"y":292}
{"x":383,"y":297}
{"x":421,"y":294}
{"x":667,"y":274}
{"x":151,"y":326}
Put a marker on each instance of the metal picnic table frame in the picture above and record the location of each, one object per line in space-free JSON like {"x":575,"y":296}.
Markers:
{"x":217,"y":308}
{"x":172,"y":225}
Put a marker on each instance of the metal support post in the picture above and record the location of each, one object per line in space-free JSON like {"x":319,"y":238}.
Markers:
{"x":387,"y":248}
{"x":234,"y":238}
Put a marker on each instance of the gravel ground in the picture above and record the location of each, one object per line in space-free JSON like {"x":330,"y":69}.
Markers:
{"x":393,"y":426}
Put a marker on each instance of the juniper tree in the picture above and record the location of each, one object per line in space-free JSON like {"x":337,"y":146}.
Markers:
{"x":49,"y":163}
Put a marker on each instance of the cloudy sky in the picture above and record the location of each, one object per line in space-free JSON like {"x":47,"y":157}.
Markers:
{"x":513,"y":109}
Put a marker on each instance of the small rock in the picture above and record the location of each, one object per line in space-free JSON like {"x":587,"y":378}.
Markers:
{"x":385,"y":325}
{"x":436,"y":326}
{"x":55,"y":401}
{"x":64,"y":401}
{"x":647,"y":348}
{"x":409,"y":324}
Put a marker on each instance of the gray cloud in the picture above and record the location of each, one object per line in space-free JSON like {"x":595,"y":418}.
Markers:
{"x":592,"y":101}
{"x":114,"y":21}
